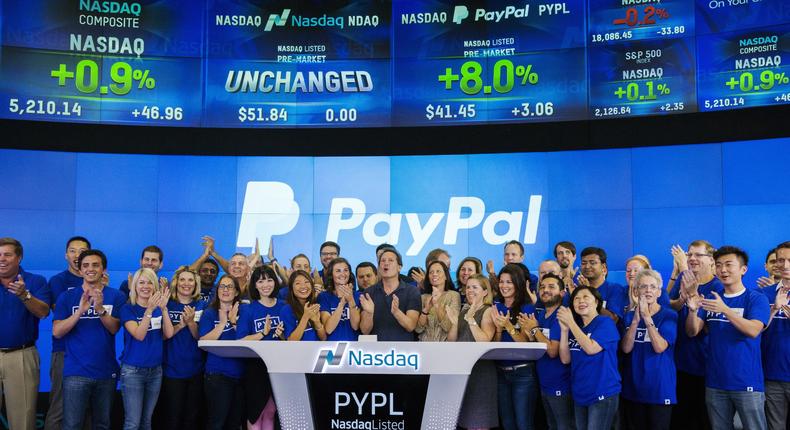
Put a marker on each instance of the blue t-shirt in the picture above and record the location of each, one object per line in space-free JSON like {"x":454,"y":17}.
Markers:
{"x":615,"y":297}
{"x":124,"y":288}
{"x":525,"y":309}
{"x":595,"y":377}
{"x":90,"y":348}
{"x":649,"y":377}
{"x":734,"y":359}
{"x":207,"y":294}
{"x":183,"y":359}
{"x":290,"y":322}
{"x":146,"y":352}
{"x":343,"y":331}
{"x":554,"y":377}
{"x":692,"y":353}
{"x":228,"y":366}
{"x":18,"y":326}
{"x":776,"y":342}
{"x":252,"y":319}
{"x":59,"y":283}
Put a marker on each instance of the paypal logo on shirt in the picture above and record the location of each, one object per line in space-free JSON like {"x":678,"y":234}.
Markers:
{"x":91,"y":313}
{"x":720,"y":317}
{"x":261,"y":322}
{"x":642,"y":336}
{"x":228,"y":326}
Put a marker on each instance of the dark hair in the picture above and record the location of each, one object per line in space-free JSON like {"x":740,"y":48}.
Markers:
{"x":434,"y":255}
{"x":329,"y":285}
{"x":211,"y":262}
{"x":153,"y":248}
{"x":263,"y":272}
{"x":78,"y":238}
{"x":90,"y":252}
{"x":384,"y":245}
{"x":13,"y":242}
{"x":768,"y":256}
{"x":596,"y":294}
{"x":330,"y":243}
{"x":520,"y":296}
{"x":448,"y":283}
{"x":515,"y":242}
{"x":783,"y":245}
{"x":743,"y":257}
{"x":215,"y":302}
{"x":394,"y":251}
{"x":299,"y":256}
{"x":365,"y":264}
{"x":293,"y":302}
{"x":592,"y":250}
{"x":478,"y":269}
{"x":567,"y":245}
{"x":556,"y":278}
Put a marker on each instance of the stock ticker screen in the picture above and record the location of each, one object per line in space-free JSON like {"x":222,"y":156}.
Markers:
{"x":331,"y":63}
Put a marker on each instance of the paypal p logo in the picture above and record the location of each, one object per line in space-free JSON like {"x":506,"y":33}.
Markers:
{"x":460,"y":13}
{"x":327,"y":356}
{"x":278,"y":20}
{"x":269,"y":210}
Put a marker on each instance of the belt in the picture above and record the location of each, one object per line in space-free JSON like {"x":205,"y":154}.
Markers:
{"x":517,"y":366}
{"x":17,"y":348}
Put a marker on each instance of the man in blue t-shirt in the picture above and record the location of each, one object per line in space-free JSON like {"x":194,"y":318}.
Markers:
{"x":735,"y":320}
{"x":24,"y":301}
{"x":775,"y":346}
{"x":152,"y":258}
{"x":391,"y":308}
{"x":594,"y":270}
{"x":63,"y":281}
{"x":87,"y":318}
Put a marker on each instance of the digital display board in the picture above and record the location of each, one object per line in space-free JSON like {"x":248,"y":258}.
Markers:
{"x":343,"y":63}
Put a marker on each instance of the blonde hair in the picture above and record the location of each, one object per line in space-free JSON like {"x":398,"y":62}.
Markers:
{"x":489,"y":298}
{"x":641,"y":259}
{"x":142,"y":273}
{"x":174,"y":283}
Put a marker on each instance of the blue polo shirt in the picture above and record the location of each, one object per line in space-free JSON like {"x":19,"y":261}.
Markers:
{"x":252,"y":319}
{"x":146,"y":352}
{"x":734,"y":359}
{"x":343,"y":331}
{"x":17,"y":325}
{"x":183,"y":359}
{"x":595,"y":377}
{"x":230,"y":367}
{"x":649,"y":377}
{"x":554,"y":377}
{"x":90,"y":348}
{"x":775,"y":344}
{"x":290,"y":322}
{"x":385,"y":326}
{"x":59,"y":283}
{"x":692,"y":353}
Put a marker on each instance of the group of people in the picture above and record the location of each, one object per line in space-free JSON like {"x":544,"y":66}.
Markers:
{"x":687,"y":353}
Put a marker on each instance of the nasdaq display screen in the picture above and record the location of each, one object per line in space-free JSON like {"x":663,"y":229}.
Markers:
{"x":332,"y":63}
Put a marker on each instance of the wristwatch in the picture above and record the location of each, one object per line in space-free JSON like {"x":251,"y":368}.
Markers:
{"x":533,"y":331}
{"x":103,"y":312}
{"x":27,"y":296}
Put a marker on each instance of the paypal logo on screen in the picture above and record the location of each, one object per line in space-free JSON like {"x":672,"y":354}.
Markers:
{"x":269,"y":210}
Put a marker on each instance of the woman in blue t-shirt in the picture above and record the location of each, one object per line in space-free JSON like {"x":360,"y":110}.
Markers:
{"x":146,"y":323}
{"x":340,"y":303}
{"x":649,"y":363}
{"x":260,"y":320}
{"x":517,"y":385}
{"x":301,"y":315}
{"x":588,"y":342}
{"x":182,"y":386}
{"x":222,"y":380}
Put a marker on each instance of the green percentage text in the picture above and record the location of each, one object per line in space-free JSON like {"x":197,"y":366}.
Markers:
{"x":503,"y":79}
{"x":86,"y":78}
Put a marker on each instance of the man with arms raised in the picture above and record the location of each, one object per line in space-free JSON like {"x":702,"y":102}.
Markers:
{"x":391,"y":308}
{"x":24,"y":301}
{"x":735,"y":320}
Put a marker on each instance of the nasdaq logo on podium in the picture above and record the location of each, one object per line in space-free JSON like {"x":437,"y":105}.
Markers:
{"x":358,"y":358}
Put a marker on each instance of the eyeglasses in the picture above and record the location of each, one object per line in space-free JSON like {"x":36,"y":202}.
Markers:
{"x":648,"y":287}
{"x":696,"y":254}
{"x":225,"y":287}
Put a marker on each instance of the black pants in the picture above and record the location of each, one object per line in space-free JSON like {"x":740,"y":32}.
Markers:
{"x":224,"y":401}
{"x":182,"y":401}
{"x":690,"y":413}
{"x":643,"y":416}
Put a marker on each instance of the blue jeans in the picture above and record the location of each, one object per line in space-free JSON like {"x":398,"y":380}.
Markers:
{"x":517,"y":391}
{"x":140,"y":389}
{"x":80,"y":392}
{"x":599,"y":415}
{"x":559,"y":411}
{"x":722,"y":405}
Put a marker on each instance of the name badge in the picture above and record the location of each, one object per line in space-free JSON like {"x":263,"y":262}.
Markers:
{"x":156,"y":323}
{"x":198,"y":315}
{"x":546,"y":332}
{"x":108,"y":308}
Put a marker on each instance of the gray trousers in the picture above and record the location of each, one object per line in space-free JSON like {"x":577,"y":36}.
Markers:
{"x":777,"y":397}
